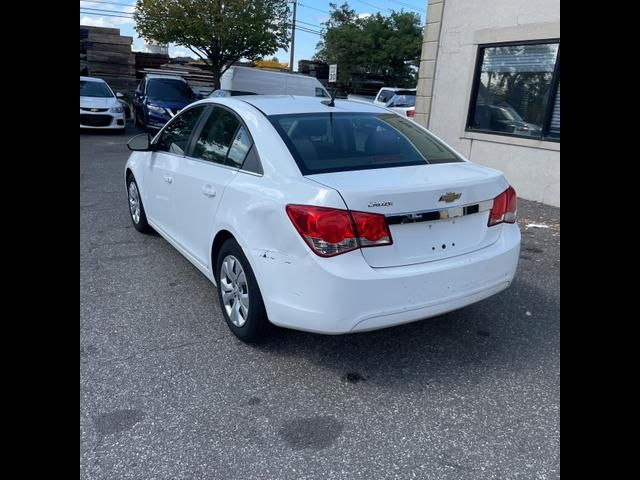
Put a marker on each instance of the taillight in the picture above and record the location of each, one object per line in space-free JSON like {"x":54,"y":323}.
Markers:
{"x":504,"y":208}
{"x":411,"y":113}
{"x":332,"y":231}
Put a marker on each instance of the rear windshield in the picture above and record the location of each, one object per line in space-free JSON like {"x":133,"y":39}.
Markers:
{"x":337,"y":142}
{"x":167,"y":89}
{"x":408,"y":100}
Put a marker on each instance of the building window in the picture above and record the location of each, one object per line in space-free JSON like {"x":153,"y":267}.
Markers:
{"x":516,"y":90}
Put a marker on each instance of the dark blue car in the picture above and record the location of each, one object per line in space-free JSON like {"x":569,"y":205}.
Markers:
{"x":158,"y":98}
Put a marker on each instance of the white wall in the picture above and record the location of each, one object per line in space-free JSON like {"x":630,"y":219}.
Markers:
{"x":532,"y":166}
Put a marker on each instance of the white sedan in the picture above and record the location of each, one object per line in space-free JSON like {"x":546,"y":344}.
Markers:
{"x":100,"y":108}
{"x":329,"y":219}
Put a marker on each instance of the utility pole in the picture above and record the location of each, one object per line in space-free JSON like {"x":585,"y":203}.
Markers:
{"x":293,"y":35}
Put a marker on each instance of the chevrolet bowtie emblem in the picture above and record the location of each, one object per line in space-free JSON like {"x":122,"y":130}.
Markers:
{"x":450,"y":197}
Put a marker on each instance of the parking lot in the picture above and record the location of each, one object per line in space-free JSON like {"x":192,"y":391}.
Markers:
{"x":167,"y":391}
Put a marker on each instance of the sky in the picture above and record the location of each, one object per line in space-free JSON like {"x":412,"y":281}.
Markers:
{"x":310,"y":15}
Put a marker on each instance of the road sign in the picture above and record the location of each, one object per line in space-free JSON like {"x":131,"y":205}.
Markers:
{"x":333,"y":73}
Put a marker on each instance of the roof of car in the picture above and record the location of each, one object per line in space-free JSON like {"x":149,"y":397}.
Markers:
{"x":92,"y":79}
{"x":397,"y":89}
{"x":169,"y":77}
{"x":285,"y":104}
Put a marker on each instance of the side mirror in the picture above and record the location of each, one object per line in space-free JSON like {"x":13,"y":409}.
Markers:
{"x":119,"y":95}
{"x":140,"y":143}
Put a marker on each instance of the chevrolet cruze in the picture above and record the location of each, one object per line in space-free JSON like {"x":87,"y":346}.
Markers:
{"x":321,"y":216}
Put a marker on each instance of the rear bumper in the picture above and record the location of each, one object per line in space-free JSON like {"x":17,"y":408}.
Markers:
{"x":344,"y":294}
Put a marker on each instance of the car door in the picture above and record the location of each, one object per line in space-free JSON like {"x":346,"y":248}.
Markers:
{"x":217,"y":152}
{"x":161,"y":168}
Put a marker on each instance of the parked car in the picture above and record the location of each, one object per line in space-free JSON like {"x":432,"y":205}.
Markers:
{"x":158,"y":98}
{"x":401,"y":100}
{"x":99,"y":106}
{"x":329,"y":219}
{"x":504,"y":118}
{"x":267,"y":82}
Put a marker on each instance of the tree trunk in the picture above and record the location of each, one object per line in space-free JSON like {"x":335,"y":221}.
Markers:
{"x":216,"y":78}
{"x":216,"y":68}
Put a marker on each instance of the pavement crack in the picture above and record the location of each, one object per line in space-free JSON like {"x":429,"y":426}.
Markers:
{"x":153,"y":350}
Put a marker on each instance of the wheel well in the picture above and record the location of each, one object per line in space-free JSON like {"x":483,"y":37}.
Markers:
{"x":129,"y":174}
{"x":221,"y":237}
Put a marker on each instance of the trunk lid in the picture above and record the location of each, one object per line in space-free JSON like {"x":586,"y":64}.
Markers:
{"x":424,"y":225}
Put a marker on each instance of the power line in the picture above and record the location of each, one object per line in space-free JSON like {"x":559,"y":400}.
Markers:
{"x":107,"y":11}
{"x":301,"y":29}
{"x":374,"y":6}
{"x":313,"y":8}
{"x":310,"y":24}
{"x":130,"y":15}
{"x":109,"y":3}
{"x":408,"y":5}
{"x":97,"y":14}
{"x":104,"y":15}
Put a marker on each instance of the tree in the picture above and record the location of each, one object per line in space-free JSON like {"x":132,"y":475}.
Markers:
{"x":374,"y":44}
{"x":220,"y":32}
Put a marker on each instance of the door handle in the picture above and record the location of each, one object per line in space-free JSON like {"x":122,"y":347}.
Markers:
{"x":208,"y":190}
{"x":168,"y":178}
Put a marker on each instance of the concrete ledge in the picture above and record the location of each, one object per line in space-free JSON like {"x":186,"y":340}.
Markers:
{"x":521,"y":142}
{"x":531,"y":31}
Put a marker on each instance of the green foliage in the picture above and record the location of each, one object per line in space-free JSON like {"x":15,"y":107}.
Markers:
{"x":375,"y":44}
{"x":220,"y":32}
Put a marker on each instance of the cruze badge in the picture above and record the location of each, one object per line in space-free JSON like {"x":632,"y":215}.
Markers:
{"x":450,"y":197}
{"x":380,"y":204}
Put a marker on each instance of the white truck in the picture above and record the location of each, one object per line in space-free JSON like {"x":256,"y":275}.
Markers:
{"x":248,"y":80}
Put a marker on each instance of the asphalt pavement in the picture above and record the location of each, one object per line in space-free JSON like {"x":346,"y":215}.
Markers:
{"x":167,"y":392}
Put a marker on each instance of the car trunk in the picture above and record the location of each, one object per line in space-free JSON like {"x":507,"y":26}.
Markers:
{"x":424,"y":225}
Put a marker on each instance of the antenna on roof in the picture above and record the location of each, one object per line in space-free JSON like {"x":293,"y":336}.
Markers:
{"x":331,"y":103}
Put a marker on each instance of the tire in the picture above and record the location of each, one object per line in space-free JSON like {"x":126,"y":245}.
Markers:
{"x":136,"y":209}
{"x":248,"y":321}
{"x":137,"y":121}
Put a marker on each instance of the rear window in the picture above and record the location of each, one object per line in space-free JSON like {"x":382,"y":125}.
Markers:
{"x":408,"y":100}
{"x":336,"y":142}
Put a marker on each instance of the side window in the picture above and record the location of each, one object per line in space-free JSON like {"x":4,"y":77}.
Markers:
{"x":175,"y":137}
{"x":239,"y":148}
{"x":252,"y":162}
{"x":216,"y":136}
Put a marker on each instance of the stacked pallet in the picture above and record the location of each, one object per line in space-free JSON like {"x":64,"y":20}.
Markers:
{"x":108,"y":56}
{"x":320,"y":70}
{"x":149,"y":60}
